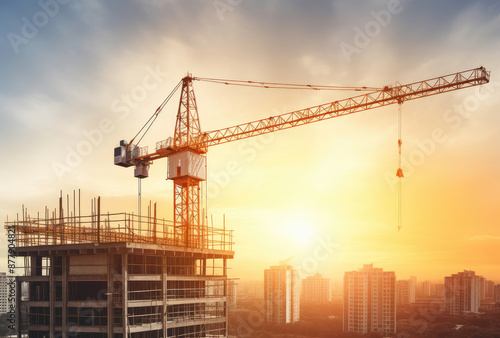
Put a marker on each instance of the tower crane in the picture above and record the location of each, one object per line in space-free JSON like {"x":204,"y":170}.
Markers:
{"x":186,"y":150}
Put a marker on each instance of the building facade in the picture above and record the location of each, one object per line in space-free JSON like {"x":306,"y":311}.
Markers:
{"x":424,"y":289}
{"x":413,"y":289}
{"x":403,"y":292}
{"x":462,"y":293}
{"x":490,"y":289}
{"x":496,"y":293}
{"x":370,"y":300}
{"x":95,"y":277}
{"x":281,"y":294}
{"x":316,"y":289}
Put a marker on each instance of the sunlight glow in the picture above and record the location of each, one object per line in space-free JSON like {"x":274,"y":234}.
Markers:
{"x":299,"y":229}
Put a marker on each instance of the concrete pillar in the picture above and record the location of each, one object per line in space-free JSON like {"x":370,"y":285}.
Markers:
{"x":65,"y":272}
{"x":124,"y":294}
{"x":164,"y":294}
{"x":109,"y":294}
{"x":34,"y":261}
{"x":52,"y":296}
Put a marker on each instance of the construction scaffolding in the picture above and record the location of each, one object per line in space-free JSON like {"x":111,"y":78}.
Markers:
{"x":119,"y":275}
{"x":55,"y":228}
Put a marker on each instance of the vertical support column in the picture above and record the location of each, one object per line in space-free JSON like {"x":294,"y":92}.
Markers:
{"x":33,"y":265}
{"x":65,"y":265}
{"x":98,"y":219}
{"x":52,"y":296}
{"x":125,"y":294}
{"x":164,"y":294}
{"x":109,"y":294}
{"x":187,"y":225}
{"x":224,"y":260}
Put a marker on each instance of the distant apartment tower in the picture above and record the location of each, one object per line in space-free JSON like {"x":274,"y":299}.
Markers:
{"x":413,"y":288}
{"x":462,"y":293}
{"x":403,"y":292}
{"x":490,"y":287}
{"x":370,"y":300}
{"x":232,"y":289}
{"x":482,"y":288}
{"x":281,"y":294}
{"x":251,"y":288}
{"x":438,"y":290}
{"x":496,"y":291}
{"x":424,"y":289}
{"x":316,"y":289}
{"x":3,"y":293}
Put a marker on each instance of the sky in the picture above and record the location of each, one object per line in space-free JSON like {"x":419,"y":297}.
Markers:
{"x":79,"y":76}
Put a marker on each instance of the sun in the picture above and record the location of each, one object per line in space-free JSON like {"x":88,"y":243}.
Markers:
{"x":299,"y":229}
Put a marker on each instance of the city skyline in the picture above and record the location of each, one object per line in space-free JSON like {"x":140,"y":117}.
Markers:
{"x":321,"y":195}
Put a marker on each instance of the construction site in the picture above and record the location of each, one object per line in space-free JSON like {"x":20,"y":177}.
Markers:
{"x":132,"y":275}
{"x":120,"y":275}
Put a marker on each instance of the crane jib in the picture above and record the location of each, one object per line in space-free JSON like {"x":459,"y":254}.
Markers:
{"x":375,"y":99}
{"x":386,"y":96}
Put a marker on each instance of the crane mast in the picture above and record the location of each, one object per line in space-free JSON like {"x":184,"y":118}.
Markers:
{"x":186,"y":151}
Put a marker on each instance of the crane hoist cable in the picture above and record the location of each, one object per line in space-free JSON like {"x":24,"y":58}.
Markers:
{"x":278,"y":85}
{"x":153,"y":118}
{"x":399,"y":171}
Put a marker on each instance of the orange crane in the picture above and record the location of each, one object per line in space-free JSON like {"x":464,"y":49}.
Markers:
{"x":186,"y":151}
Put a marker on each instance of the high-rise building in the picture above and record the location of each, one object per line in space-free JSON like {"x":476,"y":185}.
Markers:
{"x":496,"y":293}
{"x":437,"y":290}
{"x":403,"y":292}
{"x":413,"y":288}
{"x":316,"y":289}
{"x":462,"y":293}
{"x":370,"y":300}
{"x":482,"y":288}
{"x":281,"y":294}
{"x":424,"y":289}
{"x":251,"y":288}
{"x":490,"y":289}
{"x":3,"y":293}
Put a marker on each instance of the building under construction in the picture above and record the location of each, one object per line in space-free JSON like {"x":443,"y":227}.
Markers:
{"x":120,"y":275}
